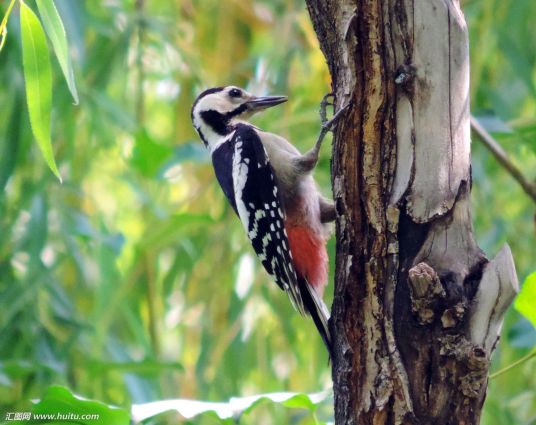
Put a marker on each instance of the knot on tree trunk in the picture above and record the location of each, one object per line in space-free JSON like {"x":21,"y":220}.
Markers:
{"x":429,"y":298}
{"x":426,"y":292}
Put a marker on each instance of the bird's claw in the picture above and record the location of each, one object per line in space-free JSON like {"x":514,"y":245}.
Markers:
{"x":328,"y":124}
{"x":323,"y":107}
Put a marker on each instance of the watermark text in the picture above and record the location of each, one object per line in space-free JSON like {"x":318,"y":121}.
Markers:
{"x":29,"y":416}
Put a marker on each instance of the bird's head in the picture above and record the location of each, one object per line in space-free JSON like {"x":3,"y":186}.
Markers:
{"x":215,"y":110}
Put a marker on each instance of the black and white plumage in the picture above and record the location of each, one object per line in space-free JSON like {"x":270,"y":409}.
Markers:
{"x":268,"y":184}
{"x":251,"y":188}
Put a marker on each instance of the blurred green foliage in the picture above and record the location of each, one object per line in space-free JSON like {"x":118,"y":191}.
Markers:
{"x":133,"y":281}
{"x":60,"y":401}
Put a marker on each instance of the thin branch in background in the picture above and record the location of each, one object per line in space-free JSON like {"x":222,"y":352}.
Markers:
{"x":501,"y":156}
{"x":140,"y":98}
{"x":152,"y":291}
{"x":3,"y":25}
{"x":154,"y":311}
{"x":522,"y":360}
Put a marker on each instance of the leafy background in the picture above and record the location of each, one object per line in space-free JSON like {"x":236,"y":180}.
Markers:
{"x":132,"y":281}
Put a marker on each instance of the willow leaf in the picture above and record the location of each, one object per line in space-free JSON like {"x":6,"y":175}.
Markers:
{"x":56,"y":33}
{"x":38,"y":79}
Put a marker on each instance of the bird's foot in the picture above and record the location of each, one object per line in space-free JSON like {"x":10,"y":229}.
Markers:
{"x":327,"y":125}
{"x":324,"y":106}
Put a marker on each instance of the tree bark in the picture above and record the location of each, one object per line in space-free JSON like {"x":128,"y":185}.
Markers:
{"x":417,"y":308}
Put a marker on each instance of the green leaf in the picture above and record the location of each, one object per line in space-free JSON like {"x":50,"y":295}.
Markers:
{"x":525,"y":300}
{"x":148,"y":156}
{"x":38,"y":80}
{"x":56,"y":32}
{"x":59,"y":400}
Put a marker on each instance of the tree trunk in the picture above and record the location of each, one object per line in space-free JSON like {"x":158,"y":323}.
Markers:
{"x":417,"y":308}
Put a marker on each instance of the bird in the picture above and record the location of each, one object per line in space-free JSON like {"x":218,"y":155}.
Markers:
{"x":270,"y":186}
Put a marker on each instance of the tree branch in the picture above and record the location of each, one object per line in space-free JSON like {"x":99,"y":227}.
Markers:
{"x":501,"y":156}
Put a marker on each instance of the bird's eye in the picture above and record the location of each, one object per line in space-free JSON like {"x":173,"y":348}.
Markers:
{"x":235,"y":93}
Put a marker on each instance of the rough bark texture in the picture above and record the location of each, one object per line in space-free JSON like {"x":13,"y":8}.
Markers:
{"x":417,"y":308}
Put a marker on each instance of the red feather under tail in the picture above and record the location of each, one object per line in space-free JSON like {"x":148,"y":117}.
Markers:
{"x":309,"y":255}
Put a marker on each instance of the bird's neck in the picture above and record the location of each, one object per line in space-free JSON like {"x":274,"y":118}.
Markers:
{"x":215,"y":133}
{"x":214,"y":140}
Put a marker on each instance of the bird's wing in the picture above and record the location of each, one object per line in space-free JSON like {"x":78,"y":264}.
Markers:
{"x":259,"y":207}
{"x":221,"y":158}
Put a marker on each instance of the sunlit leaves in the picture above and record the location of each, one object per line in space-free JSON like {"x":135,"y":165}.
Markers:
{"x":56,"y":32}
{"x":38,"y":78}
{"x":526,"y":300}
{"x":235,"y":407}
{"x":37,"y":70}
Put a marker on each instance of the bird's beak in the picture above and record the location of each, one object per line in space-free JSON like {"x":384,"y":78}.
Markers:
{"x":259,"y":103}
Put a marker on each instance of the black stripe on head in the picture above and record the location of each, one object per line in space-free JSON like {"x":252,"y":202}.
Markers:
{"x":237,"y":111}
{"x":220,"y":122}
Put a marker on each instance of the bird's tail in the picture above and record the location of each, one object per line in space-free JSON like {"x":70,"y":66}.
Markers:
{"x":317,"y":309}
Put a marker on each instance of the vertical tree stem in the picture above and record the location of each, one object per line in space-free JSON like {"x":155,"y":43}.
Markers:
{"x":140,"y":96}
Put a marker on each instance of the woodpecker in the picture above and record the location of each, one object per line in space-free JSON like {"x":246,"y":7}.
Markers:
{"x":269,"y":184}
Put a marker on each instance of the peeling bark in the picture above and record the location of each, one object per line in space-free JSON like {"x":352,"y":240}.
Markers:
{"x":417,"y":308}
